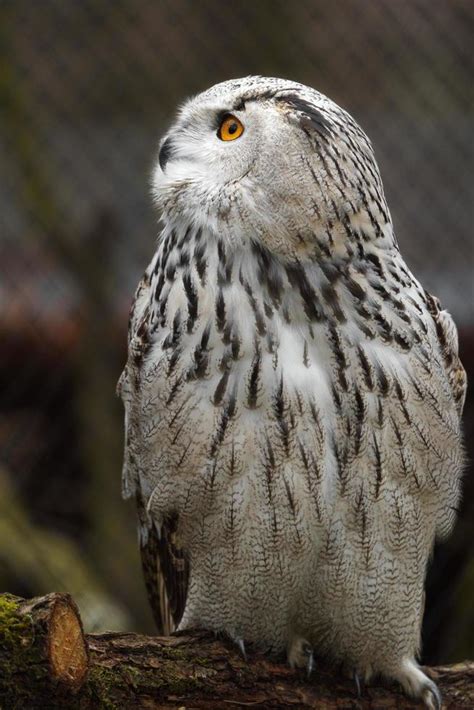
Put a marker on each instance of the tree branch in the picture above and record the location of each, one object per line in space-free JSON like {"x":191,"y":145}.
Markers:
{"x":47,"y":662}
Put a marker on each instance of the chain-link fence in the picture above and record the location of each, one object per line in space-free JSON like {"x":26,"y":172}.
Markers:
{"x":86,"y":88}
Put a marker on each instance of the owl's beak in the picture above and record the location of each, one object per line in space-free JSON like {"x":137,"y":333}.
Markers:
{"x":165,"y":152}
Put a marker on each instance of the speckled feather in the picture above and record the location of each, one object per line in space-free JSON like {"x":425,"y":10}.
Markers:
{"x":292,"y":393}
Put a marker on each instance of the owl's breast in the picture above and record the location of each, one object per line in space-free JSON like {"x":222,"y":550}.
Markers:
{"x":280,"y":390}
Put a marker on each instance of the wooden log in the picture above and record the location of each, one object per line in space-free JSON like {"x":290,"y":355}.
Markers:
{"x":42,"y":648}
{"x":46,"y":662}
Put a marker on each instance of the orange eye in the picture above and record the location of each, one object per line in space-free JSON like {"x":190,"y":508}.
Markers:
{"x":230,"y":128}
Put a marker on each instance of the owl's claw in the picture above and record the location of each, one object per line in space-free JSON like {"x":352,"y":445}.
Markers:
{"x":432,"y":698}
{"x":310,"y":664}
{"x":357,"y":684}
{"x":241,"y":646}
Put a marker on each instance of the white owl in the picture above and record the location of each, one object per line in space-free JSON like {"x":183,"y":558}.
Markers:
{"x":292,"y":393}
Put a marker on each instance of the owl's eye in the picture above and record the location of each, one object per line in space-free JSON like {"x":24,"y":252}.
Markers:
{"x":230,"y":128}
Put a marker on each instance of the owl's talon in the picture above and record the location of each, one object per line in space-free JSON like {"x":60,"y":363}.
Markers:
{"x":432,"y":698}
{"x":241,"y":646}
{"x":310,"y":664}
{"x":357,"y":684}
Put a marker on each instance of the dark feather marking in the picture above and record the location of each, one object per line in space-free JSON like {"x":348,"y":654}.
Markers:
{"x":192,"y":298}
{"x":235,"y":346}
{"x":225,"y":418}
{"x":167,"y":246}
{"x":380,"y":412}
{"x":184,"y":238}
{"x":336,"y":345}
{"x":315,"y":415}
{"x":227,"y":334}
{"x":383,"y":381}
{"x":269,"y":473}
{"x":173,"y":338}
{"x":201,"y":363}
{"x":385,"y":329}
{"x":337,"y":349}
{"x":178,"y":411}
{"x":331,"y":271}
{"x":367,"y":369}
{"x":221,"y":388}
{"x":330,"y":296}
{"x":170,"y":272}
{"x":311,"y":117}
{"x":141,"y":344}
{"x":162,"y":309}
{"x":376,"y":263}
{"x":184,"y":454}
{"x":267,"y":309}
{"x":402,"y":340}
{"x":253,"y":386}
{"x":341,"y":465}
{"x":290,"y":497}
{"x":225,"y":362}
{"x":224,"y":269}
{"x":298,"y":279}
{"x":172,"y":362}
{"x":397,"y":432}
{"x":402,"y":399}
{"x":286,"y":315}
{"x":259,"y":319}
{"x":292,"y":505}
{"x":220,"y":311}
{"x":200,"y":261}
{"x":355,"y":289}
{"x":378,"y":467}
{"x":183,"y":260}
{"x":280,"y":411}
{"x":174,"y":390}
{"x":360,"y":419}
{"x":159,"y":286}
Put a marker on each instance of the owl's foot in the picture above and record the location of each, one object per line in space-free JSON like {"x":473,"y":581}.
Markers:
{"x":300,"y":654}
{"x":418,"y":685}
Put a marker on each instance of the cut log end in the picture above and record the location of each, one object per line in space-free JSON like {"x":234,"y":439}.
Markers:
{"x":67,"y":649}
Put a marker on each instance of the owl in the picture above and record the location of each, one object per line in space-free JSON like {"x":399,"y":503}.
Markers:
{"x":292,"y":393}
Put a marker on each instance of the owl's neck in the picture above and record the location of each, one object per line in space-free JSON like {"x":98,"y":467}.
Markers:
{"x":197,"y":272}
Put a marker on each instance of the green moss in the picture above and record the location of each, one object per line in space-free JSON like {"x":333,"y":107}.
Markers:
{"x":106,"y":683}
{"x":15,"y":630}
{"x":16,"y":639}
{"x":99,"y":686}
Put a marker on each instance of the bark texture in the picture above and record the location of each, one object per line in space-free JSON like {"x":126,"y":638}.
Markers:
{"x":47,"y":662}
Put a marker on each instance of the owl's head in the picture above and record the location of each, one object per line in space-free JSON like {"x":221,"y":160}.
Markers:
{"x":274,"y":160}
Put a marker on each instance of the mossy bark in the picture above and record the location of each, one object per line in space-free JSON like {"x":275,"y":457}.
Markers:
{"x":43,"y":652}
{"x":182,"y":671}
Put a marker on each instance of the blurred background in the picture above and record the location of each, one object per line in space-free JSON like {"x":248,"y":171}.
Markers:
{"x":86,"y":88}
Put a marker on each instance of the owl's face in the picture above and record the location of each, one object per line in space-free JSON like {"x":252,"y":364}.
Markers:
{"x":263,"y":158}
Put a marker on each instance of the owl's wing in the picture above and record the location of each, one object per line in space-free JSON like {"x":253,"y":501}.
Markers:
{"x":448,"y":340}
{"x":165,"y":567}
